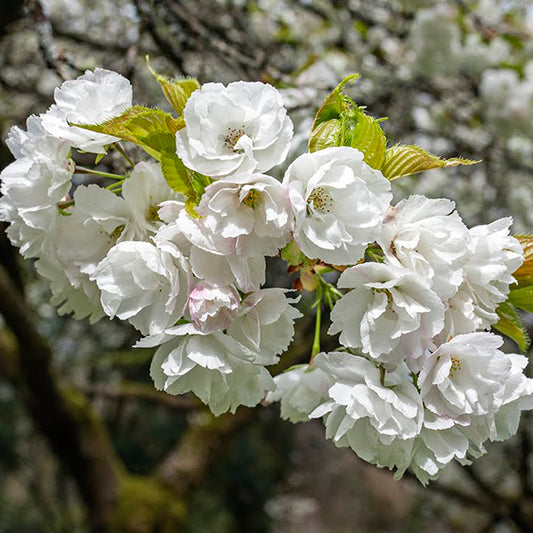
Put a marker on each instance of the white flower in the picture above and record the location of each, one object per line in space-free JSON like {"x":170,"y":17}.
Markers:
{"x":339,"y":203}
{"x":250,"y":211}
{"x":517,"y":397}
{"x":425,"y":236}
{"x":215,"y":367}
{"x":98,"y":220}
{"x":82,"y":300}
{"x":31,"y":188}
{"x":140,"y":283}
{"x":213,"y":308}
{"x":17,"y":137}
{"x":390,"y":313}
{"x":465,"y":376}
{"x":238,"y":129}
{"x":300,"y":390}
{"x":265,"y":324}
{"x":367,"y":415}
{"x":92,"y":98}
{"x":144,"y":190}
{"x":213,"y":257}
{"x":439,"y":443}
{"x":487,"y":276}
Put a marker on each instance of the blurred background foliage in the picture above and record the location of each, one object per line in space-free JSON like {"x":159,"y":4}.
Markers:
{"x":455,"y":77}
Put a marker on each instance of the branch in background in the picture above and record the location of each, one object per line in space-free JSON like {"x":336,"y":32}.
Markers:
{"x":140,"y":391}
{"x":166,"y":47}
{"x":54,"y":58}
{"x":65,"y":418}
{"x":205,"y":440}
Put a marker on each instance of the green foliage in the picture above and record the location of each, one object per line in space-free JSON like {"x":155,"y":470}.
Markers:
{"x":522,"y":298}
{"x":404,"y":160}
{"x":176,"y":91}
{"x":524,"y":275}
{"x":152,"y":129}
{"x":294,"y":256}
{"x":511,"y":326}
{"x":155,"y":132}
{"x":340,"y":122}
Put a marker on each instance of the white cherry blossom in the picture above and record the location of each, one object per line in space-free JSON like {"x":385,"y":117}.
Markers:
{"x":218,"y":369}
{"x":31,"y":188}
{"x":266,"y":324}
{"x":93,"y":98}
{"x":390,"y":313}
{"x":487,"y":276}
{"x":250,"y":211}
{"x":213,"y":257}
{"x":82,"y":300}
{"x":140,"y":283}
{"x":300,"y":391}
{"x":238,"y":129}
{"x":213,"y":307}
{"x":339,"y":202}
{"x":144,"y":191}
{"x":428,"y":237}
{"x":465,"y":376}
{"x":366,"y":414}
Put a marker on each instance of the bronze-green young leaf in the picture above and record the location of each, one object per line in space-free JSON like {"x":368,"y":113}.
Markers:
{"x":339,"y":122}
{"x":511,"y":326}
{"x":363,"y":132}
{"x":177,"y":175}
{"x":176,"y":90}
{"x":404,"y":160}
{"x":325,"y":135}
{"x":334,"y":103}
{"x":152,"y":129}
{"x":524,"y":275}
{"x":522,"y":298}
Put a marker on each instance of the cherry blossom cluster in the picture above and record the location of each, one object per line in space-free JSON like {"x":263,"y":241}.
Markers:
{"x":416,"y":380}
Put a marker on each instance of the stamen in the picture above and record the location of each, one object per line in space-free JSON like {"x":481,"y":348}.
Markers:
{"x":233,"y":135}
{"x":456,"y":366}
{"x":321,"y":200}
{"x":253,"y":198}
{"x":152,"y":214}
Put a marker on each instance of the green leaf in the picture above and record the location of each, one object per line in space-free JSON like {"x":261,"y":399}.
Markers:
{"x":294,"y":256}
{"x":363,"y":132}
{"x":176,"y":91}
{"x":524,"y":275}
{"x":177,"y":175}
{"x":99,"y":158}
{"x":404,"y":160}
{"x":339,"y":122}
{"x":325,"y":135}
{"x":334,"y":103}
{"x":522,"y":298}
{"x":511,"y":326}
{"x":151,"y":129}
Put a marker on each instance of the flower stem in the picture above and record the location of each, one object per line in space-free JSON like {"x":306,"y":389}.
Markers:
{"x":84,"y":170}
{"x":316,"y":341}
{"x":123,"y":153}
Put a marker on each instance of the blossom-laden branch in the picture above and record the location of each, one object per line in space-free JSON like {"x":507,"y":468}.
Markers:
{"x":177,"y":247}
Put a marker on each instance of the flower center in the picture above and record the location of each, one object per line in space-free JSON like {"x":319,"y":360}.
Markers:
{"x":456,"y":365}
{"x":388,"y":294}
{"x":320,"y":199}
{"x":152,"y":214}
{"x":233,"y":135}
{"x":117,"y":232}
{"x":253,"y":198}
